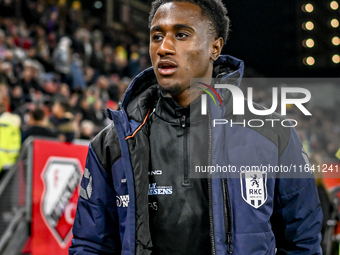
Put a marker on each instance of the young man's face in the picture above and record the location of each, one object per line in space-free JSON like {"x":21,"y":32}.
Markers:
{"x":181,"y":46}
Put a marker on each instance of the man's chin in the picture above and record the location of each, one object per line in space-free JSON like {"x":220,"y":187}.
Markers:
{"x":172,"y":90}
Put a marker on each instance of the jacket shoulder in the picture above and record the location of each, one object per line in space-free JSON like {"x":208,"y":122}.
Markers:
{"x":106,"y":147}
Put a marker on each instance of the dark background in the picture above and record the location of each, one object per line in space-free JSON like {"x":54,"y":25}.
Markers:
{"x":268,"y":36}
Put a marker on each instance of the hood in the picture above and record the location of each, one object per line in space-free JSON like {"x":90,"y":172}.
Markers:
{"x":143,"y":92}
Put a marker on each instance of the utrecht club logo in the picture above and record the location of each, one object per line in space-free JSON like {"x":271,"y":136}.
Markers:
{"x":204,"y":97}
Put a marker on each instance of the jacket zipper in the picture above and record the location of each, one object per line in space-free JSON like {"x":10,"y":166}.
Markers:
{"x":211,"y":216}
{"x":227,"y":215}
{"x":185,"y":150}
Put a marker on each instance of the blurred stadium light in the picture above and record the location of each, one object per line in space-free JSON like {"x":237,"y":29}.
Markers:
{"x":318,"y":33}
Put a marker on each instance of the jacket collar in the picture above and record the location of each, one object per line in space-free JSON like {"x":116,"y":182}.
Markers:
{"x":170,"y":111}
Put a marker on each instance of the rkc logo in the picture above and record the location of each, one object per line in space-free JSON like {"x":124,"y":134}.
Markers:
{"x":254,"y":188}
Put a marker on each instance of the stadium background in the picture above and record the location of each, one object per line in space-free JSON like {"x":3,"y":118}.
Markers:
{"x":87,"y":52}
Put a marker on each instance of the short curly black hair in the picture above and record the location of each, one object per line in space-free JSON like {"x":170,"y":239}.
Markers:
{"x":213,"y":9}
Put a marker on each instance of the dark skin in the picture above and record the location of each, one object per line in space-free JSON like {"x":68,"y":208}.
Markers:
{"x":182,"y":47}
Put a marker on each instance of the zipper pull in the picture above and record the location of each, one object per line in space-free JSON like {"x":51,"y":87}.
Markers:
{"x":229,"y":242}
{"x":183,"y":124}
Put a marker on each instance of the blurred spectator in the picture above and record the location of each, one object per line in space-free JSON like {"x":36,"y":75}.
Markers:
{"x":10,"y":137}
{"x":123,"y":85}
{"x":327,"y":204}
{"x":90,"y":76}
{"x":87,"y":130}
{"x":83,"y":46}
{"x":38,"y":125}
{"x":62,"y":121}
{"x":52,"y":24}
{"x":4,"y":97}
{"x":7,"y":8}
{"x":3,"y":47}
{"x":85,"y":108}
{"x":7,"y":74}
{"x":78,"y":82}
{"x":121,"y":60}
{"x":29,"y":82}
{"x":62,"y":59}
{"x":74,"y":18}
{"x":109,"y":64}
{"x":64,"y":91}
{"x":102,"y":85}
{"x":134,"y":61}
{"x":97,"y":59}
{"x":99,"y":116}
{"x":16,"y":98}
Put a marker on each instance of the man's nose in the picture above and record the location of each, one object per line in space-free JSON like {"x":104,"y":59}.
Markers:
{"x":167,"y":47}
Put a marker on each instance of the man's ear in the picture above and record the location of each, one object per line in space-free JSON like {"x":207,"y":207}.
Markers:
{"x":217,"y":48}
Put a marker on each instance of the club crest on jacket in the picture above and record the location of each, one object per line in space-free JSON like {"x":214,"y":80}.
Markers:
{"x":254,"y":188}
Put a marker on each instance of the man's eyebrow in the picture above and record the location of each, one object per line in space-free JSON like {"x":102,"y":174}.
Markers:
{"x":176,"y":26}
{"x":181,"y":26}
{"x":156,"y":28}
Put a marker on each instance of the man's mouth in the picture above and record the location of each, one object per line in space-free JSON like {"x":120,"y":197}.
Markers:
{"x":167,"y":67}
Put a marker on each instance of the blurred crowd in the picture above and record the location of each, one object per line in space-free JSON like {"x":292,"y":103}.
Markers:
{"x":60,"y":67}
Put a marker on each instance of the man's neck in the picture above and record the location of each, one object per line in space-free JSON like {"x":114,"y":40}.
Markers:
{"x":183,"y":99}
{"x":187,"y":96}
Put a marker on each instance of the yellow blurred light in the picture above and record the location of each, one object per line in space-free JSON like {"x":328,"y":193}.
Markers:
{"x":310,"y":43}
{"x":76,"y":5}
{"x":336,"y":59}
{"x":334,"y":5}
{"x":309,"y":25}
{"x":309,"y":61}
{"x":334,"y":23}
{"x":336,"y":41}
{"x":307,"y":8}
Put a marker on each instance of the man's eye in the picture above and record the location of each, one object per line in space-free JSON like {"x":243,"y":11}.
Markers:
{"x":157,"y":38}
{"x":181,"y":35}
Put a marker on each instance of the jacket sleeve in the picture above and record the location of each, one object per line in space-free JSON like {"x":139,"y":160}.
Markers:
{"x":297,"y":216}
{"x":96,"y":226}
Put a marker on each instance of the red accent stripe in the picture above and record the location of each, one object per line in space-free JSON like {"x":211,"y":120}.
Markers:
{"x":213,"y":90}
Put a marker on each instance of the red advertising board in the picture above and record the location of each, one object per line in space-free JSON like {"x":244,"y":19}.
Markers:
{"x":57,"y":171}
{"x":331,"y":174}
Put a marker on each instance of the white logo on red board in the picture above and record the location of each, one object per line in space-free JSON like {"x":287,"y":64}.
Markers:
{"x":61,"y":177}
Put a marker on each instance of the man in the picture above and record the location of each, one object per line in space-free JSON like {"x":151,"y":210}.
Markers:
{"x":10,"y":138}
{"x":61,"y":120}
{"x":137,"y":195}
{"x":37,"y":125}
